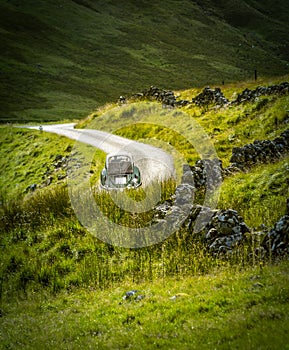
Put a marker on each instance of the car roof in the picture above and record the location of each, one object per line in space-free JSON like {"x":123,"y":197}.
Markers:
{"x":119,"y":154}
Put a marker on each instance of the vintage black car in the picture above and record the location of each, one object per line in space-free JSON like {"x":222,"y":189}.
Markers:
{"x":120,"y":172}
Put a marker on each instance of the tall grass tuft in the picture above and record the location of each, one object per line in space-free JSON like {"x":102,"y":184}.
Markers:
{"x":44,"y":247}
{"x":39,"y":208}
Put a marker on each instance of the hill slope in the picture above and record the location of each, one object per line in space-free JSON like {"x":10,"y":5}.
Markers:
{"x":61,"y":59}
{"x":61,"y":285}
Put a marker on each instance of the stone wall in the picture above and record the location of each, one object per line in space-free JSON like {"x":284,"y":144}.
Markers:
{"x":276,"y":240}
{"x":264,"y":151}
{"x":205,"y":173}
{"x":166,"y":97}
{"x":251,"y":95}
{"x":223,"y":230}
{"x":208,"y":97}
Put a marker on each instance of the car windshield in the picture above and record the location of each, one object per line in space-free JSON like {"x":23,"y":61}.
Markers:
{"x":119,"y":164}
{"x":119,"y":158}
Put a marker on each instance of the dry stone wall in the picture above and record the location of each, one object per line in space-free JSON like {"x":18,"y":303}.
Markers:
{"x":224,"y":229}
{"x":264,"y":151}
{"x":277,"y":239}
{"x":251,"y":95}
{"x":208,"y":97}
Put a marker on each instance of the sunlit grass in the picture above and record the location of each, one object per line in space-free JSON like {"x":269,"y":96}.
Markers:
{"x":225,"y":309}
{"x":259,"y":195}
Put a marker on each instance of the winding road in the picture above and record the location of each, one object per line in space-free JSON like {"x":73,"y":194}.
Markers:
{"x":154,"y":163}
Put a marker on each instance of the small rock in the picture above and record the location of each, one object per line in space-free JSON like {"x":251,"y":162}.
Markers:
{"x":129,"y":294}
{"x":179,"y":295}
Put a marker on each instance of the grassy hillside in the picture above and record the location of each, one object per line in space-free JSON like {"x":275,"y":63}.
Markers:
{"x":31,"y":157}
{"x":63,"y":287}
{"x":62,"y":59}
{"x":258,"y":194}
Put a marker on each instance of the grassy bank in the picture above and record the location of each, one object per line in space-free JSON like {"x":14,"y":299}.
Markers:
{"x":31,"y":157}
{"x":260,"y":195}
{"x":226,"y":309}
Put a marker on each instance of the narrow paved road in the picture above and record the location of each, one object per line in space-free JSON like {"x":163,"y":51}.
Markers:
{"x":154,"y":163}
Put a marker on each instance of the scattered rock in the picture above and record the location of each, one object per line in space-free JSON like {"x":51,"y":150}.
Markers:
{"x":58,"y":157}
{"x":31,"y":188}
{"x":179,"y":295}
{"x":48,"y":180}
{"x":60,"y":161}
{"x":57,"y":169}
{"x":122,"y":99}
{"x":129,"y":294}
{"x":133,"y":295}
{"x":61,"y":176}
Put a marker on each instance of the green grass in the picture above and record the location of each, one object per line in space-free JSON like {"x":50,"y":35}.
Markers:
{"x":62,"y":61}
{"x":44,"y":247}
{"x":260,"y":195}
{"x":31,"y":156}
{"x":60,"y":286}
{"x":26,"y":157}
{"x":236,"y":126}
{"x":228,"y":309}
